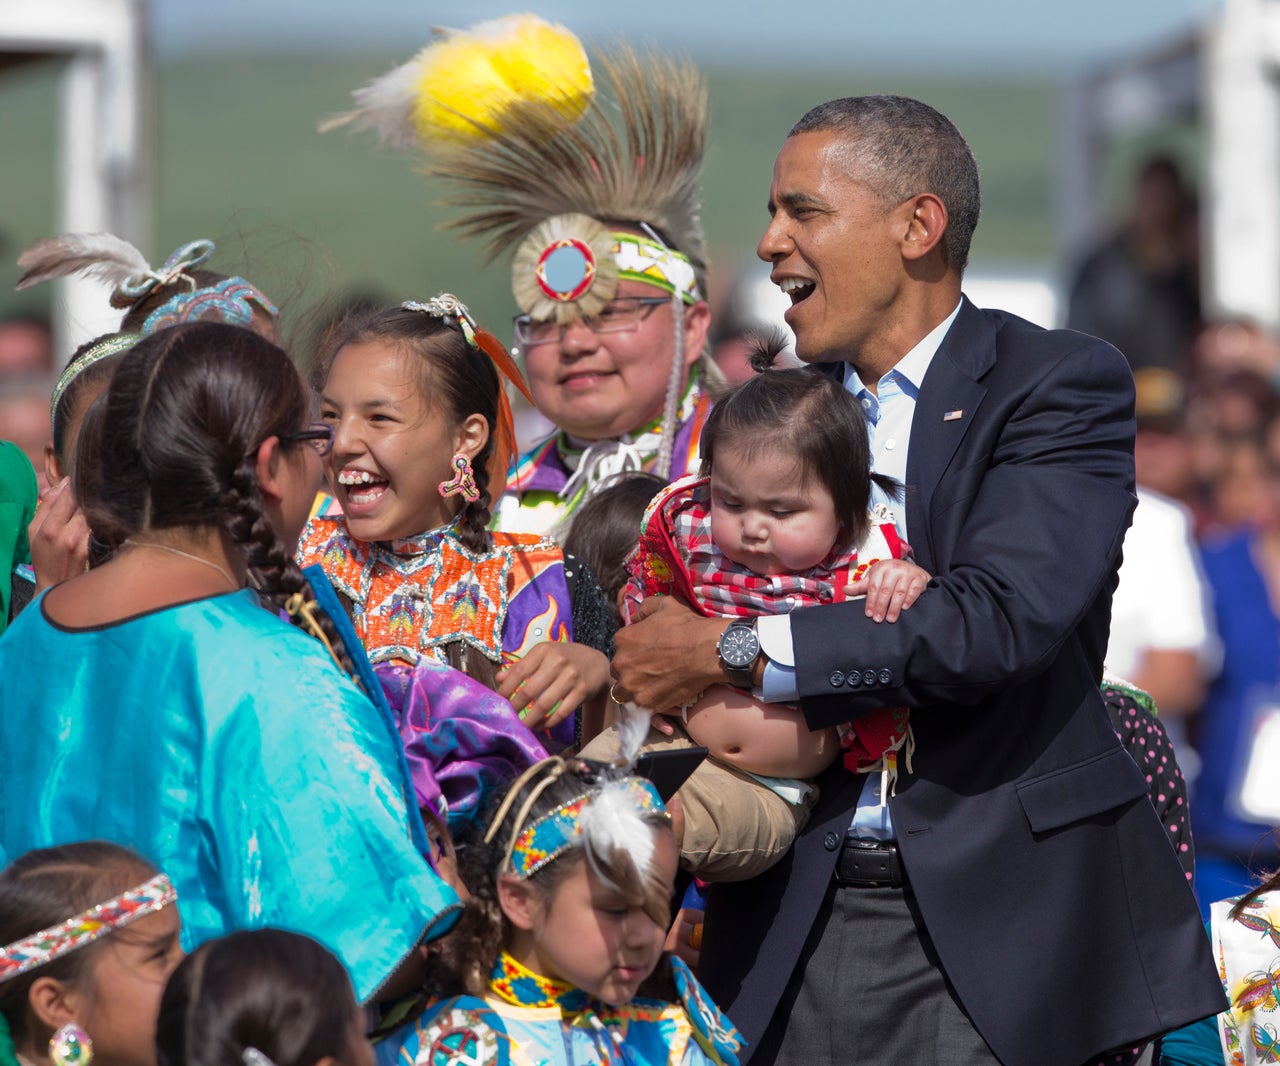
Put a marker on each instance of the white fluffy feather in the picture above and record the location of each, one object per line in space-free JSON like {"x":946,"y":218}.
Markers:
{"x":633,"y":729}
{"x":386,"y":106}
{"x":95,"y":255}
{"x":612,"y":822}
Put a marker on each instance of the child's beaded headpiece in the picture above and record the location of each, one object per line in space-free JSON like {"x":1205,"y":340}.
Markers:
{"x":449,"y":309}
{"x":120,"y":264}
{"x":589,"y":190}
{"x":84,"y":928}
{"x":608,"y":815}
{"x":110,"y":345}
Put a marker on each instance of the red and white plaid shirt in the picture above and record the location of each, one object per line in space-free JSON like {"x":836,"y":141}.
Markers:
{"x":676,"y":556}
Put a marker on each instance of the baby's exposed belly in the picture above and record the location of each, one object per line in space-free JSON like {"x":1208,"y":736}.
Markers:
{"x":761,"y":738}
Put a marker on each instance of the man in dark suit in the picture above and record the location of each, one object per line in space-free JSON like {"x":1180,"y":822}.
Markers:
{"x":1015,"y":899}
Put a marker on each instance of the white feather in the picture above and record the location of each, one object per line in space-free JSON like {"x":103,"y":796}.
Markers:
{"x":633,"y":730}
{"x":612,"y":822}
{"x":95,"y":255}
{"x":386,"y":106}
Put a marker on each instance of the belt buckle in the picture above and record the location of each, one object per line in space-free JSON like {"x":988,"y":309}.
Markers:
{"x":868,"y":863}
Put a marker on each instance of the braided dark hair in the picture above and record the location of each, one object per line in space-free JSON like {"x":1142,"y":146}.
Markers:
{"x":176,"y":446}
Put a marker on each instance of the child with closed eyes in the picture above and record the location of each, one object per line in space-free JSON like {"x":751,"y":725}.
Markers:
{"x":781,"y":517}
{"x":559,"y":953}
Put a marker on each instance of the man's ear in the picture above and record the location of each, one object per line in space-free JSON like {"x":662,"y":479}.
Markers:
{"x":926,"y":223}
{"x":53,"y":1003}
{"x":519,"y":901}
{"x":472,"y":435}
{"x":266,"y":469}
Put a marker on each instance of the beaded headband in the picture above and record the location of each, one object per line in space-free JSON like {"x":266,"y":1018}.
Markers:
{"x":84,"y":928}
{"x":535,"y":845}
{"x":104,"y":349}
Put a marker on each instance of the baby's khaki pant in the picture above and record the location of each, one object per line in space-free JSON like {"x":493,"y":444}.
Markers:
{"x":734,"y":827}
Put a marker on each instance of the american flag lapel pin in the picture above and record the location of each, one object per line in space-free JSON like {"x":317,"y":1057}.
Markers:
{"x":953,"y":416}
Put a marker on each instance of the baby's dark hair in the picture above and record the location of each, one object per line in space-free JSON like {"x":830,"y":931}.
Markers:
{"x":470,"y":950}
{"x":279,"y":992}
{"x":802,"y":413}
{"x":175,"y":444}
{"x":453,"y":376}
{"x":606,"y":529}
{"x":47,"y":886}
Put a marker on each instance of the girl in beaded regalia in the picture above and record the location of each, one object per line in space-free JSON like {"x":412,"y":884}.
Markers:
{"x":421,"y":440}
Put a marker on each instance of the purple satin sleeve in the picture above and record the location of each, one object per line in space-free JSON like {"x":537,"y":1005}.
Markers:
{"x":542,"y":610}
{"x":461,"y":740}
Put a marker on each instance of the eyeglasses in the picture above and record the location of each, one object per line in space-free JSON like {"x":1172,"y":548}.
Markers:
{"x":319,"y":435}
{"x":618,"y":316}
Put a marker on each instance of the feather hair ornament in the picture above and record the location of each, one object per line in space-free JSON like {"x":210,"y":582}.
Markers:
{"x":95,"y":255}
{"x":457,"y":87}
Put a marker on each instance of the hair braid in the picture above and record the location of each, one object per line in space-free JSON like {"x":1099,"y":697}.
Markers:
{"x":272,"y":570}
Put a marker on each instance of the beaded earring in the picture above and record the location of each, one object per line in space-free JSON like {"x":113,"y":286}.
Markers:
{"x":463,"y":483}
{"x":71,"y":1046}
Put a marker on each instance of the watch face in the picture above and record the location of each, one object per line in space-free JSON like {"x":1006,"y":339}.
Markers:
{"x":739,"y":646}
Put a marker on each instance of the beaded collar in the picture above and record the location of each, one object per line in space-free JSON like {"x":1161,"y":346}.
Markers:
{"x":514,"y":983}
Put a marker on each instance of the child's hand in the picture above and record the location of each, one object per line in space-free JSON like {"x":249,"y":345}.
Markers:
{"x":59,"y":537}
{"x":685,"y":937}
{"x":891,"y":586}
{"x":552,"y":680}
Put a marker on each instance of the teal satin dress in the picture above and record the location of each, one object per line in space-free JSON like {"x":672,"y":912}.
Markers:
{"x":225,"y":746}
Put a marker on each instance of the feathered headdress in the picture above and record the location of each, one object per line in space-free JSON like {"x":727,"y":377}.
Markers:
{"x":541,"y":160}
{"x":589,"y":187}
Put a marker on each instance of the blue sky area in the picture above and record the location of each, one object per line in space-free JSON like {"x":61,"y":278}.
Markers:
{"x":1016,"y":35}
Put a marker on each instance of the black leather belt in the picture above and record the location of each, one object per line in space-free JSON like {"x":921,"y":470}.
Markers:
{"x":870,"y":862}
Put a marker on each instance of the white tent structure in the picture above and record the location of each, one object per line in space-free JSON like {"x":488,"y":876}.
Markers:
{"x":1226,"y":76}
{"x":104,"y":142}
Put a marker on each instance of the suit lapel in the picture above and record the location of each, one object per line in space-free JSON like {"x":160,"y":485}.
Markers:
{"x":950,"y":396}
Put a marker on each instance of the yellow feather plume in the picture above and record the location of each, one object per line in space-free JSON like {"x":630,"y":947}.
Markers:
{"x":455,"y":90}
{"x":468,"y":79}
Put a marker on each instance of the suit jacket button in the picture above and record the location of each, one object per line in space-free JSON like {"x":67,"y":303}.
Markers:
{"x":868,"y":678}
{"x":886,"y":676}
{"x":854,"y":678}
{"x":831,"y":841}
{"x":836,"y":678}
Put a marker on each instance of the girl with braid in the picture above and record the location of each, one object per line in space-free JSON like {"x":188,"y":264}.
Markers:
{"x":154,"y":702}
{"x":422,"y":436}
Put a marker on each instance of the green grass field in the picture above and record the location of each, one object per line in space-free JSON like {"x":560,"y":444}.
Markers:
{"x":311,"y":217}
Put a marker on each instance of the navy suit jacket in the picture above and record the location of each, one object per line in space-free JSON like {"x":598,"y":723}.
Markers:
{"x":1046,"y":882}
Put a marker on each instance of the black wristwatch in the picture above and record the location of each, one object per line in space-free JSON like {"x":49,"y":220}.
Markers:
{"x":739,"y":648}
